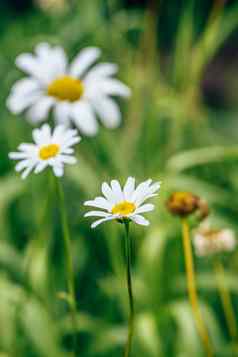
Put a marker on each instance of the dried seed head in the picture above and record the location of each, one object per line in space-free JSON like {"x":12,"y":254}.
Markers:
{"x":208,"y":241}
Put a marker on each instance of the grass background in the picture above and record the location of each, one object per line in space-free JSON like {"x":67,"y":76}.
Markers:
{"x":180,"y":127}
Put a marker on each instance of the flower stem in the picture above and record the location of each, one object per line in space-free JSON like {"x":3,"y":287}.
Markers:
{"x":225,"y":299}
{"x":68,"y":263}
{"x":130,"y":293}
{"x":192,"y":291}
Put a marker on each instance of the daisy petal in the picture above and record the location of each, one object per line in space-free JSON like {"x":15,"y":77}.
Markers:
{"x":149,"y":192}
{"x":68,"y":151}
{"x":37,"y":136}
{"x":40,"y":167}
{"x":34,"y":66}
{"x":53,"y":60}
{"x":40,"y":109}
{"x":59,"y":133}
{"x":108,"y":193}
{"x":145,"y":208}
{"x":114,"y":87}
{"x":99,"y":202}
{"x":16,"y":103}
{"x":26,"y":86}
{"x":29,"y":148}
{"x":101,"y":70}
{"x":84,"y":118}
{"x":108,"y":111}
{"x":155,"y":187}
{"x":66,"y":159}
{"x":22,"y":165}
{"x":27,"y":171}
{"x":28,"y":63}
{"x":60,"y":61}
{"x":84,"y":60}
{"x":18,"y":155}
{"x":140,"y":220}
{"x":46,"y":133}
{"x":116,"y":189}
{"x":141,"y":190}
{"x":96,"y":223}
{"x":70,"y":142}
{"x":58,"y":170}
{"x":129,"y":188}
{"x":97,"y":214}
{"x":43,"y":50}
{"x":61,"y":113}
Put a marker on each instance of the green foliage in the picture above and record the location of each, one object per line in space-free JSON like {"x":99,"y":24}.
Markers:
{"x":168,"y":133}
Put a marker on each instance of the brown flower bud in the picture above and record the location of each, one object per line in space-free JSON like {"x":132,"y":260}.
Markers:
{"x":183,"y":203}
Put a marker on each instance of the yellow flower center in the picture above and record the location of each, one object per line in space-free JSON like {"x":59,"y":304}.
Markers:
{"x":124,"y":208}
{"x":66,"y":88}
{"x":46,"y":152}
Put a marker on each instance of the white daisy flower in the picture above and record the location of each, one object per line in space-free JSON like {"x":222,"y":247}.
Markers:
{"x":119,"y":203}
{"x":77,"y":92}
{"x":50,"y":149}
{"x":209,"y":241}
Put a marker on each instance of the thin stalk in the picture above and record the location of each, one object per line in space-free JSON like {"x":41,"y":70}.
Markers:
{"x":68,"y":264}
{"x":130,"y":292}
{"x":192,"y":291}
{"x":225,"y":299}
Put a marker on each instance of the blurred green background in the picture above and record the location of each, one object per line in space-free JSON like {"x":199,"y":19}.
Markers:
{"x":180,"y":126}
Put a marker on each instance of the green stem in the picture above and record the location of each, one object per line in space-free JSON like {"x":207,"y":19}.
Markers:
{"x":68,"y":263}
{"x":225,"y":299}
{"x":130,"y":293}
{"x":192,"y":289}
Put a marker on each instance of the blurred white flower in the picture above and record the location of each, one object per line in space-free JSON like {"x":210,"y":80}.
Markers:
{"x":50,"y":149}
{"x":209,"y":241}
{"x":76,"y":92}
{"x":52,"y":5}
{"x":126,"y":203}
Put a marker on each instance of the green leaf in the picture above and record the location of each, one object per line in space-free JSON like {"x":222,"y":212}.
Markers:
{"x":191,"y":158}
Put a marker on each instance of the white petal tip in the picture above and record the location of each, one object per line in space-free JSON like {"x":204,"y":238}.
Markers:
{"x":128,"y":93}
{"x":61,"y":174}
{"x":93,"y":225}
{"x":23,"y":176}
